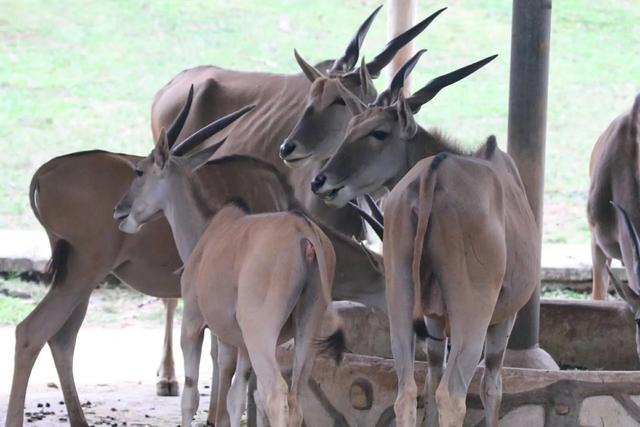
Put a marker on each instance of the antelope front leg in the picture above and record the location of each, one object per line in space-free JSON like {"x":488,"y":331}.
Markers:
{"x":600,"y":276}
{"x":167,"y":384}
{"x":191,"y":337}
{"x":215,"y":382}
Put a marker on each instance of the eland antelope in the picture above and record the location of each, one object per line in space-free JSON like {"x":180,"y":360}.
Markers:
{"x":460,"y":244}
{"x":613,"y":208}
{"x":614,"y":177}
{"x":322,"y":125}
{"x":254,"y":280}
{"x":88,"y":245}
{"x":280,"y":102}
{"x":73,"y":198}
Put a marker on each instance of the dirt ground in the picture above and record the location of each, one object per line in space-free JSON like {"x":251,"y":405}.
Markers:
{"x":115,"y":374}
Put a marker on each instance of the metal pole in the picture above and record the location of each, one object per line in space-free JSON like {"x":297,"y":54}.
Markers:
{"x":530,"y":36}
{"x":401,"y":17}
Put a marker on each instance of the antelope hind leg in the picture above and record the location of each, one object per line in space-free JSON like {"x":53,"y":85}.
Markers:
{"x":491,"y":389}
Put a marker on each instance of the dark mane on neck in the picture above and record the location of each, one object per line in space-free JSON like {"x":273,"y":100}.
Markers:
{"x":258,"y":164}
{"x":447,"y":143}
{"x":198,"y":192}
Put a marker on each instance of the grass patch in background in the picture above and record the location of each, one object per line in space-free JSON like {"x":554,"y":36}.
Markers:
{"x":79,"y":75}
{"x":117,"y":306}
{"x":565,"y":293}
{"x":13,"y":310}
{"x":109,"y":306}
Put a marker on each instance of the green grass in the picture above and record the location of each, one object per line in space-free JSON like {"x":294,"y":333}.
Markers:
{"x":564,"y":294}
{"x":13,"y":310}
{"x":81,"y":74}
{"x":109,"y":306}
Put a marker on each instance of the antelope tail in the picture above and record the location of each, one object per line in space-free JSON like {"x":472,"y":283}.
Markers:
{"x":56,"y":267}
{"x":425,"y":205}
{"x":634,"y":122}
{"x":333,"y":345}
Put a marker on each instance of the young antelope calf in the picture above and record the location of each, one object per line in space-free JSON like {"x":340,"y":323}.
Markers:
{"x":254,"y":280}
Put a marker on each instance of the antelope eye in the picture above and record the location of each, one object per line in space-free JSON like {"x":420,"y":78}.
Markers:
{"x":139,"y":172}
{"x":379,"y":134}
{"x":338,"y":101}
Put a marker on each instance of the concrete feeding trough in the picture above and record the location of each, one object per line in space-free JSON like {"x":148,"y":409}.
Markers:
{"x":585,"y":334}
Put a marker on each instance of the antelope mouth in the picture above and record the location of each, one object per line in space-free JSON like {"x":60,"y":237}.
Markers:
{"x":331,"y":194}
{"x":297,"y":159}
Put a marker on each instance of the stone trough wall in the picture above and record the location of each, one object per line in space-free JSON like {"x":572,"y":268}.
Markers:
{"x":361,"y":391}
{"x":595,"y":335}
{"x":579,"y":334}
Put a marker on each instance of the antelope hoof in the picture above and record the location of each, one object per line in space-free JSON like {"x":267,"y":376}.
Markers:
{"x":167,"y":388}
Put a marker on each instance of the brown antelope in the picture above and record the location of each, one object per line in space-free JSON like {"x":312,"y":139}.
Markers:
{"x":352,"y":159}
{"x":614,"y":166}
{"x":322,"y":125}
{"x":480,"y":262}
{"x":280,"y":100}
{"x":88,"y":245}
{"x":249,"y":278}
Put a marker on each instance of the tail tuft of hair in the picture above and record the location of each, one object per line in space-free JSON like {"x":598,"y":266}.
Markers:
{"x":334,"y":345}
{"x":57,"y":266}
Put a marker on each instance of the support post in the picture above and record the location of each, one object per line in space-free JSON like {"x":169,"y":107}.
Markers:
{"x":530,"y":38}
{"x":401,"y":17}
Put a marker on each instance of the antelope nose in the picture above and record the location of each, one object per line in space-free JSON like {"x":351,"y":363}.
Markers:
{"x":119,"y":214}
{"x":318,"y":182}
{"x":286,"y":149}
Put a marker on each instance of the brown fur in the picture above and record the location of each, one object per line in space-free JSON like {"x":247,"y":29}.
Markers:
{"x":279,"y":101}
{"x":244,"y":277}
{"x":614,"y":175}
{"x":428,"y":207}
{"x":613,"y":209}
{"x":146,"y":261}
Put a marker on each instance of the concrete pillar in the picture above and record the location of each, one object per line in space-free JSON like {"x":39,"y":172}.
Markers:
{"x":530,"y":37}
{"x":401,"y":17}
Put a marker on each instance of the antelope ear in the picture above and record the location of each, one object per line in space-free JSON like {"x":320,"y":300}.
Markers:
{"x":366,"y":82}
{"x":408,"y":125}
{"x":200,"y":158}
{"x":309,"y":70}
{"x":161,"y":150}
{"x":354,"y":104}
